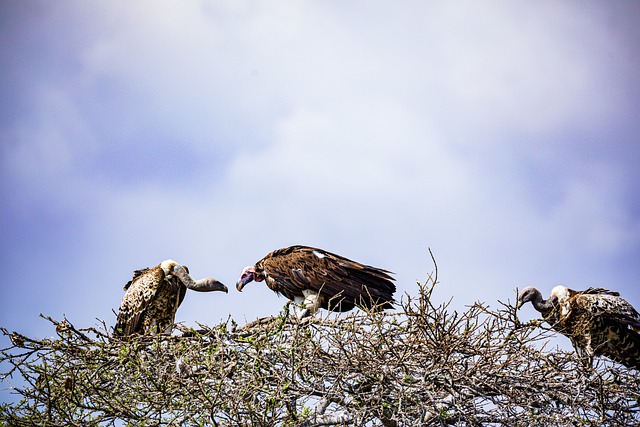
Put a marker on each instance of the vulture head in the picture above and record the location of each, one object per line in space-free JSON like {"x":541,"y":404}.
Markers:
{"x":531,"y":294}
{"x":172,"y":268}
{"x":248,"y":275}
{"x":528,"y":294}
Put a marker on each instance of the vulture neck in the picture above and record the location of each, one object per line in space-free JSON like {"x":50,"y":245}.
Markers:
{"x":541,"y":305}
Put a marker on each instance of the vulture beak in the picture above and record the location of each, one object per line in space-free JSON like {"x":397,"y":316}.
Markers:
{"x":247,"y":277}
{"x":240,"y":284}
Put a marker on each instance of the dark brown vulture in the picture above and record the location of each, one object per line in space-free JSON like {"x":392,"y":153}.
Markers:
{"x":314,"y":278}
{"x":153,"y":295}
{"x":599,"y":322}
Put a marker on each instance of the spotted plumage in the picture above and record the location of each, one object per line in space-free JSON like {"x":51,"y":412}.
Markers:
{"x":315,"y":279}
{"x":599,"y":322}
{"x":153,"y":296}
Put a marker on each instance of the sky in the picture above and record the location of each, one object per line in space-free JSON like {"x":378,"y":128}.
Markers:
{"x":502,"y":135}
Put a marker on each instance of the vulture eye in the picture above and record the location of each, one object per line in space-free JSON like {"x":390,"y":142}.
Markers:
{"x":186,"y":268}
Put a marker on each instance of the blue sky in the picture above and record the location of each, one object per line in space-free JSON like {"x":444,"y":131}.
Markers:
{"x":502,"y":135}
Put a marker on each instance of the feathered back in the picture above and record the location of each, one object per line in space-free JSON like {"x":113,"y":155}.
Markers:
{"x":600,"y":322}
{"x":150,"y":302}
{"x":608,"y":305}
{"x":341,"y":282}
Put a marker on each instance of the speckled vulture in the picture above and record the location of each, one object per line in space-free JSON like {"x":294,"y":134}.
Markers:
{"x":153,"y":295}
{"x":599,"y":322}
{"x":314,"y":278}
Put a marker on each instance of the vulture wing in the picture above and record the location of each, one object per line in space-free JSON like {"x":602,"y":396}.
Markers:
{"x":599,"y":291}
{"x":341,"y":282}
{"x":136,"y":274}
{"x":140,"y":294}
{"x":610,"y":306}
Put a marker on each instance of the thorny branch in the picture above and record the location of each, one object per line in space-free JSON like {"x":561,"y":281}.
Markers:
{"x":421,"y":365}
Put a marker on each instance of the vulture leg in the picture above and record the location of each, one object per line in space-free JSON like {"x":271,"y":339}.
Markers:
{"x":585,"y":354}
{"x":299,"y":308}
{"x":307,"y":305}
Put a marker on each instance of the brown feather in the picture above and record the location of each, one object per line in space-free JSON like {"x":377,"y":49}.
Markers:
{"x":341,"y":282}
{"x":600,"y":322}
{"x":150,"y":303}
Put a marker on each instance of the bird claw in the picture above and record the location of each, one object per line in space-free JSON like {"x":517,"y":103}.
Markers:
{"x":300,"y":315}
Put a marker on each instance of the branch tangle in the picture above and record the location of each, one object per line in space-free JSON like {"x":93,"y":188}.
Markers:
{"x":423,"y":365}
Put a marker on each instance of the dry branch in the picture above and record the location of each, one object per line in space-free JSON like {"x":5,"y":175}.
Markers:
{"x":422,"y":365}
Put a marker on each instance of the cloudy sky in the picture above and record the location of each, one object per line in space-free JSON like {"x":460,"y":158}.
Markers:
{"x":505,"y":136}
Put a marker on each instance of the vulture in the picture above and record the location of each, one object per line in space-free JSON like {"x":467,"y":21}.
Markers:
{"x":153,"y":296}
{"x":314,"y":278}
{"x":599,"y":322}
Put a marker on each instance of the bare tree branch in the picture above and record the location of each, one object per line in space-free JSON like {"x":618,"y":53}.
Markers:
{"x":421,"y":365}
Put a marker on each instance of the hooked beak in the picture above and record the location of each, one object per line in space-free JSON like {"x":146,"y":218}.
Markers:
{"x":243,"y":280}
